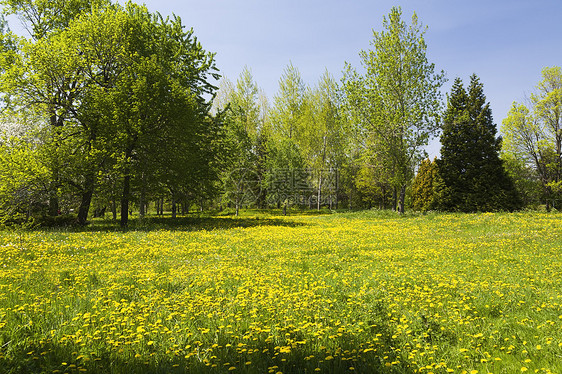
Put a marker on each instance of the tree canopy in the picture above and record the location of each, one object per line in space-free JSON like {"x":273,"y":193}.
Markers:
{"x":396,"y":102}
{"x":533,"y":134}
{"x":123,"y":92}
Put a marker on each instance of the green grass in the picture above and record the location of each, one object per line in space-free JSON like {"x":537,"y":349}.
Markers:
{"x":368,"y":292}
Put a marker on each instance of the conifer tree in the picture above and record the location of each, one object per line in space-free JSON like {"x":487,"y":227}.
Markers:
{"x":423,"y":186}
{"x":471,"y":173}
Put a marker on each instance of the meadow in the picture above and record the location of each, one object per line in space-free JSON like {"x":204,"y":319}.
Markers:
{"x":366,"y":292}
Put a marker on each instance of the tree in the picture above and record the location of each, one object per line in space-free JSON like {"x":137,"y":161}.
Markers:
{"x":533,"y":133}
{"x":471,"y":173}
{"x":157,"y":106}
{"x":124,"y":91}
{"x":423,"y":187}
{"x":285,"y":142}
{"x":54,"y":91}
{"x":525,"y":178}
{"x":289,"y":104}
{"x":322,"y":134}
{"x":397,"y":101}
{"x":244,"y":123}
{"x":42,"y":17}
{"x":23,"y":178}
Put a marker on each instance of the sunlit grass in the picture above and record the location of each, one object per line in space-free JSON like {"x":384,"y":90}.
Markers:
{"x":364,"y":292}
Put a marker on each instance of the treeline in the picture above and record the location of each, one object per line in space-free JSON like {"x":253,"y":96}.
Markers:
{"x":110,"y":108}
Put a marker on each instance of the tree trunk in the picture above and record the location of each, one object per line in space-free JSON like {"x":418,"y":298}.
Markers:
{"x":319,"y":190}
{"x":337,"y":189}
{"x":394,"y":199}
{"x":125,"y":201}
{"x":142,"y":199}
{"x":402,"y":198}
{"x":53,"y":201}
{"x":114,"y":209}
{"x":54,"y":207}
{"x":86,"y":199}
{"x":174,"y":207}
{"x":142,"y":207}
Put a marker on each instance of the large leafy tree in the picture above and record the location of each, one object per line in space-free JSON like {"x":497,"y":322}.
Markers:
{"x":533,"y":133}
{"x":471,"y":174}
{"x":51,"y":89}
{"x":397,"y":101}
{"x":125,"y":93}
{"x":158,"y":105}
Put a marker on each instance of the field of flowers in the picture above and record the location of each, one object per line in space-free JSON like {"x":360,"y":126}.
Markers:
{"x":359,"y":292}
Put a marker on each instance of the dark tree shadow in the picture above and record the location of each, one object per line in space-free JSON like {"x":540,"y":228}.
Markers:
{"x":184,"y":223}
{"x":55,"y":358}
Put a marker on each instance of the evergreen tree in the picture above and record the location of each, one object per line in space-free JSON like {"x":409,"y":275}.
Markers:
{"x":423,"y":186}
{"x":471,"y":173}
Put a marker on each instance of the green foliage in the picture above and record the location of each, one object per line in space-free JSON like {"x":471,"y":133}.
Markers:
{"x":287,"y":126}
{"x":525,"y":178}
{"x":424,"y":186}
{"x":373,"y":192}
{"x":23,"y":179}
{"x":45,"y":16}
{"x":243,"y":148}
{"x":396,"y":103}
{"x":289,"y":105}
{"x":533,"y":134}
{"x":123,"y":94}
{"x":472,"y":176}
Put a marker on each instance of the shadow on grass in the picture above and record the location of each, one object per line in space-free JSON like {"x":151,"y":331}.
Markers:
{"x":55,"y":358}
{"x":185,"y":223}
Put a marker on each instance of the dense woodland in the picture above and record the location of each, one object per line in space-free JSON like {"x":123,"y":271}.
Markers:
{"x":111,"y":109}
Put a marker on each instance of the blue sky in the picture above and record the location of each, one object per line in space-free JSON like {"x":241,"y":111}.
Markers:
{"x":505,"y":42}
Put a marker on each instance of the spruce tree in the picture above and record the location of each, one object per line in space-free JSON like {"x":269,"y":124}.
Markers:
{"x":423,"y":186}
{"x":471,"y":174}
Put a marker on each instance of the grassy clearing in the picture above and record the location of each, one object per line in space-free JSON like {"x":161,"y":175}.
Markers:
{"x":366,"y":292}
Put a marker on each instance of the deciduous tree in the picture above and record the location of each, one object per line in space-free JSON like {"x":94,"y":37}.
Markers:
{"x":533,"y":133}
{"x":396,"y":102}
